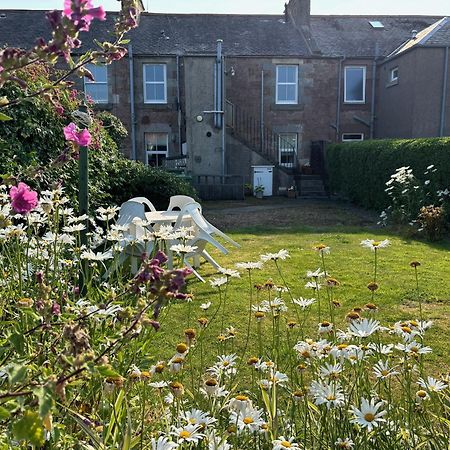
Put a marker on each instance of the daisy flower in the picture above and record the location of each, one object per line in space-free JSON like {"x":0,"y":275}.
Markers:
{"x":198,"y":417}
{"x":188,"y":434}
{"x":346,"y":443}
{"x":331,"y":370}
{"x":217,"y":282}
{"x":304,"y":302}
{"x":370,"y":415}
{"x":325,"y":327}
{"x":382,"y":370}
{"x":229,"y":272}
{"x":316,"y":274}
{"x":282,"y":254}
{"x":183,"y":249}
{"x":414,"y":347}
{"x":249,"y":419}
{"x":205,"y":306}
{"x":163,"y":443}
{"x":249,"y":265}
{"x":283,"y":443}
{"x":240,"y":403}
{"x":374,"y":245}
{"x":363,"y":328}
{"x":330,"y":395}
{"x":322,"y":249}
{"x":432,"y":384}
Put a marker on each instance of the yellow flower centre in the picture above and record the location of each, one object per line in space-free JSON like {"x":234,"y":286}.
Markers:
{"x":225,"y":363}
{"x":342,"y":346}
{"x":375,"y":244}
{"x":241,"y":398}
{"x":182,"y":348}
{"x":185,"y":434}
{"x":385,"y":373}
{"x":248,"y":420}
{"x":192,"y":421}
{"x":331,"y":398}
{"x":325,"y":324}
{"x":406,"y":329}
{"x":211,"y":382}
{"x":369,"y":417}
{"x":413,"y":323}
{"x":414,"y":349}
{"x":421,"y":394}
{"x":286,"y":444}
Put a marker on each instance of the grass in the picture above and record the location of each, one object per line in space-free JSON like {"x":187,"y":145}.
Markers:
{"x":349,"y":262}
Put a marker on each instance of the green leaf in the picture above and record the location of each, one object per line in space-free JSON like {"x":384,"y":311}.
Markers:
{"x":4,"y":413}
{"x":18,"y":342}
{"x":4,"y":117}
{"x":17,"y":373}
{"x":46,"y":400}
{"x":30,"y":428}
{"x":107,"y":371}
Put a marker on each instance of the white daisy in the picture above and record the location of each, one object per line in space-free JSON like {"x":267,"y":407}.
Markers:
{"x":283,"y":443}
{"x":346,"y":443}
{"x":249,"y":419}
{"x":188,"y":433}
{"x":282,"y":254}
{"x":382,"y":370}
{"x":198,"y":417}
{"x":432,"y":384}
{"x":331,"y":370}
{"x":183,"y":249}
{"x":304,"y":302}
{"x":316,"y":274}
{"x":330,"y":395}
{"x":205,"y":306}
{"x":249,"y":265}
{"x":374,"y":245}
{"x":217,"y":282}
{"x":414,"y":347}
{"x":229,"y":272}
{"x":364,"y":328}
{"x":163,"y":443}
{"x":369,"y":415}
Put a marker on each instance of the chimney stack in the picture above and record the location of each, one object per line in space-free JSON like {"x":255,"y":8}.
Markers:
{"x":299,"y":12}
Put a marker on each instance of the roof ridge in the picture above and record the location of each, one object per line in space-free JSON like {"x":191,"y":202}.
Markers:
{"x":436,"y":27}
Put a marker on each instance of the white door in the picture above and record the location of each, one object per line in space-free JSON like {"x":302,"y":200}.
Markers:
{"x":263,"y":176}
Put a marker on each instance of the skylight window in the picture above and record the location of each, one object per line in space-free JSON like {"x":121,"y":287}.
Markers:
{"x":376,"y":24}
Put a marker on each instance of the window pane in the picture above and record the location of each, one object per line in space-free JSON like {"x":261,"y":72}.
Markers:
{"x":99,"y":73}
{"x":156,"y":147}
{"x":354,"y":84}
{"x":282,"y":74}
{"x":291,"y":73}
{"x":287,"y":159}
{"x":154,"y":92}
{"x":290,"y":92}
{"x":282,"y":93}
{"x":288,"y":142}
{"x":98,"y":92}
{"x":154,"y":72}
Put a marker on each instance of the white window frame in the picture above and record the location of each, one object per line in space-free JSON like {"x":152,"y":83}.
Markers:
{"x":353,"y":134}
{"x":164,"y":83}
{"x":360,"y":102}
{"x":87,"y":82}
{"x":280,"y":137}
{"x":287,"y":102}
{"x":393,"y":79}
{"x":156,"y":152}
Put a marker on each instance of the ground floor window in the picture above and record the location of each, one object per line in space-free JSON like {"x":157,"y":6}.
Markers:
{"x":156,"y":148}
{"x":287,"y":144}
{"x":351,"y":137}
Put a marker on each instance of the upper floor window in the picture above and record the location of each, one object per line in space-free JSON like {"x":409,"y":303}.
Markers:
{"x":355,"y":84}
{"x":97,"y":89}
{"x":287,"y":85}
{"x":155,"y":83}
{"x":156,"y":148}
{"x":393,"y":75}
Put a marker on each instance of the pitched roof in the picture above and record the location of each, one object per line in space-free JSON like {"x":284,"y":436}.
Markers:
{"x":243,"y":35}
{"x":436,"y":35}
{"x":354,"y":36}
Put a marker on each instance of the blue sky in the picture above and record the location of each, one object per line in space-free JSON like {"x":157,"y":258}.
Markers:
{"x":386,"y":7}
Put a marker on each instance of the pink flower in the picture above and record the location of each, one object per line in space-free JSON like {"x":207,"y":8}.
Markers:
{"x":82,"y":13}
{"x":23,"y":199}
{"x":82,"y":138}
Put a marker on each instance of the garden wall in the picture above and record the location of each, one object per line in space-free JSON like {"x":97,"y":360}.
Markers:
{"x":360,"y":170}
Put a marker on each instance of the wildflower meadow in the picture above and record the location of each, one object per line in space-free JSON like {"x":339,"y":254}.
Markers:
{"x":96,"y":356}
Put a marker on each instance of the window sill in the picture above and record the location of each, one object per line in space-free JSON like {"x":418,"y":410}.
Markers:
{"x":286,"y":107}
{"x":392,"y":83}
{"x":354,"y":103}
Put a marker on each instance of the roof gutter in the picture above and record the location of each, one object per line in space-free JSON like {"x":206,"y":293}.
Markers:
{"x":444,"y":94}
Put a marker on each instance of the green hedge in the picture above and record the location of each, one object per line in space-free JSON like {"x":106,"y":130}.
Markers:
{"x":360,"y":170}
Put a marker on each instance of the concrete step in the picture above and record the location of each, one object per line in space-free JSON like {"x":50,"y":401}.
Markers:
{"x":311,"y":183}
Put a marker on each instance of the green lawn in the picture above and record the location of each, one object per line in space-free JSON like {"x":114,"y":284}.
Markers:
{"x":348,"y":261}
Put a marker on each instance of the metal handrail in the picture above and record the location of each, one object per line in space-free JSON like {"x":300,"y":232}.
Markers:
{"x":256,"y":135}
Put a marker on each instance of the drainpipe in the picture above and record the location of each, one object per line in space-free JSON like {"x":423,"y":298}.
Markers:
{"x":132,"y":109}
{"x":372,"y":106}
{"x":262,"y":111}
{"x":180,"y":145}
{"x":444,"y":94}
{"x":222,"y":116}
{"x":339,"y":99}
{"x":218,"y":77}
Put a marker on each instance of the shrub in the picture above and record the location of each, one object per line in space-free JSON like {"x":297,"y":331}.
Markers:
{"x":360,"y":170}
{"x":432,"y":222}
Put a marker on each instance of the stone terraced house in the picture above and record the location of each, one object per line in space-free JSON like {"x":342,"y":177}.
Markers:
{"x":214,"y":96}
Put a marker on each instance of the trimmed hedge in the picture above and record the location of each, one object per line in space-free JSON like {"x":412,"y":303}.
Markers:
{"x":359,"y":170}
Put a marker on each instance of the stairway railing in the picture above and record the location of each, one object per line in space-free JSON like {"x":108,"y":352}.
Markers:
{"x":259,"y":138}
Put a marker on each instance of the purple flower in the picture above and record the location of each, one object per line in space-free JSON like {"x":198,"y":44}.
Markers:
{"x":56,"y":309}
{"x":82,"y":138}
{"x":23,"y":199}
{"x":82,"y":13}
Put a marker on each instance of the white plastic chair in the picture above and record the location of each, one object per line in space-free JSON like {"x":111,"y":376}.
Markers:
{"x":144,"y":201}
{"x":132,"y":245}
{"x":179,"y":201}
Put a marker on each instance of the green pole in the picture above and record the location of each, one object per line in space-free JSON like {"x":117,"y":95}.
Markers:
{"x":83,"y":200}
